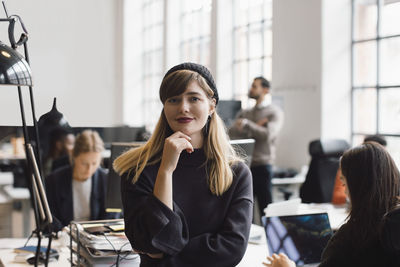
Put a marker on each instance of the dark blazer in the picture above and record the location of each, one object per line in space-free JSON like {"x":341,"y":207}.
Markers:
{"x":59,"y":194}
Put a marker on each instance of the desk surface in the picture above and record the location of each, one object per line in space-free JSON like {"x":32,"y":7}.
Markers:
{"x":253,"y":257}
{"x":255,"y":254}
{"x":7,"y":253}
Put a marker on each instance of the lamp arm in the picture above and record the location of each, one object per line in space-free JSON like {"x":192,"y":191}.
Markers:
{"x":24,"y":36}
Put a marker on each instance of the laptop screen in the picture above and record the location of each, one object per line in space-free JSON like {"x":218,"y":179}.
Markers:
{"x":301,"y":237}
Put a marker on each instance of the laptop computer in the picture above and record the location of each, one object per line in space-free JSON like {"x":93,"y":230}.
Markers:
{"x":301,"y":237}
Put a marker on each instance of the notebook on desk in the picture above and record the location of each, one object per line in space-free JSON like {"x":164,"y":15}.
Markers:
{"x":301,"y":237}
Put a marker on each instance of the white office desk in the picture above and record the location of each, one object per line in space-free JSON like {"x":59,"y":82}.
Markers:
{"x":7,"y":253}
{"x":256,"y":252}
{"x":253,"y":257}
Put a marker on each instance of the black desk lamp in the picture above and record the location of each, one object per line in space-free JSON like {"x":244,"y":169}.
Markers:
{"x":15,"y":70}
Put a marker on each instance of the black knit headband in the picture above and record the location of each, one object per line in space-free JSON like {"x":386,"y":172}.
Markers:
{"x":200,"y":69}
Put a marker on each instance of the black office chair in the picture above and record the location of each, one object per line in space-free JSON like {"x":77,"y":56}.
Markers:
{"x":320,"y":179}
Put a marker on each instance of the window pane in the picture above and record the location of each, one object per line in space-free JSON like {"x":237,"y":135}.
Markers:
{"x":252,"y":48}
{"x":240,"y":12}
{"x":393,"y":146}
{"x":390,"y":18}
{"x":187,"y":22}
{"x":364,"y":108}
{"x":157,"y":11}
{"x":268,"y":9}
{"x":365,"y":19}
{"x":240,"y":44}
{"x":365,"y":64}
{"x":205,"y":52}
{"x":255,"y":42}
{"x":389,"y":113}
{"x":390,"y":61}
{"x":255,"y":10}
{"x":357,"y":140}
{"x":205,"y":24}
{"x":191,"y":51}
{"x":255,"y":68}
{"x":241,"y":79}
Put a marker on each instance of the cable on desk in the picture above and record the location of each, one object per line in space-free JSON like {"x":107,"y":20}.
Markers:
{"x":118,"y":252}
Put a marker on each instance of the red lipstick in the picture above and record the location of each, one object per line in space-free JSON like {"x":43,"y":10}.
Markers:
{"x":184,"y":120}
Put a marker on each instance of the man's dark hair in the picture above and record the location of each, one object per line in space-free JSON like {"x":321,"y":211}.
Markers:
{"x":264,"y":82}
{"x":376,"y":138}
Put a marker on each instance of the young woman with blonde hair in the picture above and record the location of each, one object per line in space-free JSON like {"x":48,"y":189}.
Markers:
{"x":187,"y":196}
{"x":78,"y":192}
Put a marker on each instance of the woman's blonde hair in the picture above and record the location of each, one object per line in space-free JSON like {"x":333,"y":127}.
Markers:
{"x":87,"y":141}
{"x":219,"y":153}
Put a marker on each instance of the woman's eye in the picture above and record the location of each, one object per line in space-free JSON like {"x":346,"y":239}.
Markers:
{"x":172,"y":100}
{"x":194,"y":99}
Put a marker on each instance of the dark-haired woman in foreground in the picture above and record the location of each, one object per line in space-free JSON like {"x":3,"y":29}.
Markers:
{"x":371,"y":236}
{"x":187,"y":197}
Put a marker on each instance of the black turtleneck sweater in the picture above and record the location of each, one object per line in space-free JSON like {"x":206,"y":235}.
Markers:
{"x":202,"y":230}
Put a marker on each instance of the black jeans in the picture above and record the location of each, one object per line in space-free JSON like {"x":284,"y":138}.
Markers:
{"x":262,"y":187}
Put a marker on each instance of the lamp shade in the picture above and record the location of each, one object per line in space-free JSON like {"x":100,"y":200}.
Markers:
{"x":14,"y":70}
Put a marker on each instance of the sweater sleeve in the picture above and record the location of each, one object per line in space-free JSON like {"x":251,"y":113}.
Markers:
{"x":234,"y":132}
{"x":268,"y":131}
{"x":150,"y":226}
{"x":227,"y":246}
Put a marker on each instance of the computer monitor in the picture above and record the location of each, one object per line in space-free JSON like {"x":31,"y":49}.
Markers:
{"x":301,"y":237}
{"x":113,"y":197}
{"x":116,"y":133}
{"x":227,"y":110}
{"x":244,"y":147}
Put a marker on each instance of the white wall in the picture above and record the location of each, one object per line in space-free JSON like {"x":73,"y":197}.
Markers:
{"x":311,"y":74}
{"x":75,"y":54}
{"x":296,"y":76}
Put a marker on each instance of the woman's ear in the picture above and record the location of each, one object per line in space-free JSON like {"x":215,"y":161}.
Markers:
{"x":212,"y":106}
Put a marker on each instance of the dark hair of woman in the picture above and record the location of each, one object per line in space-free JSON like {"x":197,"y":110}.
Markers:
{"x":373,"y":181}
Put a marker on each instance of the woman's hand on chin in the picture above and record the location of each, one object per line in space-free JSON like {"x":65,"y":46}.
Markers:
{"x":280,"y":260}
{"x":173,"y":146}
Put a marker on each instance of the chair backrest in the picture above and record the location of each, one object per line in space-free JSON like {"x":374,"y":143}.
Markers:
{"x":320,"y":179}
{"x":113,"y":197}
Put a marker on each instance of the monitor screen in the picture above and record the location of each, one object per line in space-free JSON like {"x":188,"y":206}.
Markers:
{"x":116,"y":134}
{"x":227,"y":110}
{"x":301,"y":237}
{"x":244,"y":147}
{"x":113,"y":197}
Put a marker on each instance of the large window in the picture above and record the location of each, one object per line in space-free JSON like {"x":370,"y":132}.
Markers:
{"x":195,"y":31}
{"x":153,"y":24}
{"x":375,"y":68}
{"x":252,"y":43}
{"x":161,"y":33}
